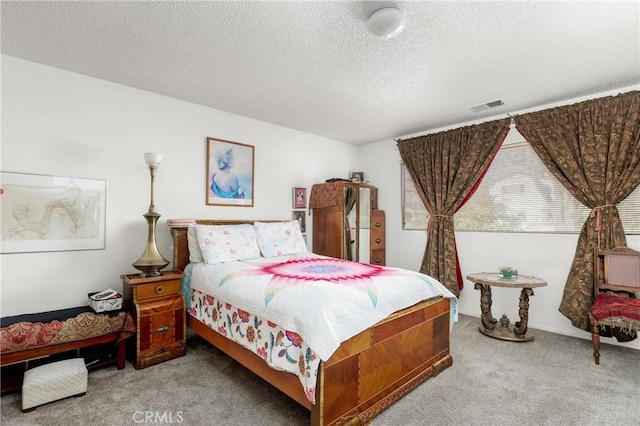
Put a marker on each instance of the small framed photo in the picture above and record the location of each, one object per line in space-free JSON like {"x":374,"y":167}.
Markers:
{"x":300,"y":217}
{"x":299,"y":198}
{"x":357,"y":177}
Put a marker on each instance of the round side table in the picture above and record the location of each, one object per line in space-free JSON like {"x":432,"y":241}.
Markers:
{"x":502,"y":328}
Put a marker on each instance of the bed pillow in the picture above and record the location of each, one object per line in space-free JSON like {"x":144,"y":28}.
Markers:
{"x":227,"y":243}
{"x":280,"y":238}
{"x":195,"y":254}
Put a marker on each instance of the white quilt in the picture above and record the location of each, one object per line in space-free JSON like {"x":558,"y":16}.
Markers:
{"x":324,"y":300}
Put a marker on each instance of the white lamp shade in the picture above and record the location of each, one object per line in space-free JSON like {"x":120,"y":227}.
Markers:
{"x":387,"y":22}
{"x":153,"y":159}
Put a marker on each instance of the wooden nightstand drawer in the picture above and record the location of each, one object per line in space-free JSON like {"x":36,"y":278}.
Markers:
{"x":161,"y":325}
{"x":158,"y":289}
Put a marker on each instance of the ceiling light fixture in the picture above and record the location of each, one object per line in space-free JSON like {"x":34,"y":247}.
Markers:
{"x":387,"y":22}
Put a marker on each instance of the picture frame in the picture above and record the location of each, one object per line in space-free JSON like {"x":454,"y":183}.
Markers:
{"x":357,"y":177}
{"x":299,"y":215}
{"x":230,"y":173}
{"x":299,"y":198}
{"x":43,"y":213}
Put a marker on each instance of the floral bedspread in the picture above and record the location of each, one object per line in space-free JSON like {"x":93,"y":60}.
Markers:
{"x":282,"y":350}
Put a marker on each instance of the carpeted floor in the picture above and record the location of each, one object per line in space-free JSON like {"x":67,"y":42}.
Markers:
{"x":550,"y":381}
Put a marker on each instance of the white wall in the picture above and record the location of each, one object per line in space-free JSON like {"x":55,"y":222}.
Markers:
{"x":64,"y":124}
{"x":547,"y":256}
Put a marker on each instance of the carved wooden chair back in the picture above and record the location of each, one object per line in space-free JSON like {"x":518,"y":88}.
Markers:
{"x":616,"y":284}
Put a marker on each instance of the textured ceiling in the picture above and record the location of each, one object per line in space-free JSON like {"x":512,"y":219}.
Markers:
{"x":312,"y":65}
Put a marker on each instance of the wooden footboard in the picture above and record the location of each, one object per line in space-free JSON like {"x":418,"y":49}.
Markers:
{"x":367,"y":373}
{"x":375,"y":368}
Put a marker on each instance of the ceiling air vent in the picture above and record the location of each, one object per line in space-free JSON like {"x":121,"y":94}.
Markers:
{"x":483,"y":107}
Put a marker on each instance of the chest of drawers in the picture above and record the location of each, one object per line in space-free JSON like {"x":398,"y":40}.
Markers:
{"x":377,"y":238}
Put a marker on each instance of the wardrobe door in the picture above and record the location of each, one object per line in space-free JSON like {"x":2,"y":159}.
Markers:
{"x":328,"y":231}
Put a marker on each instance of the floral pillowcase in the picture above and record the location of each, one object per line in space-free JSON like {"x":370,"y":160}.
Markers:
{"x":280,"y":238}
{"x":227,"y":243}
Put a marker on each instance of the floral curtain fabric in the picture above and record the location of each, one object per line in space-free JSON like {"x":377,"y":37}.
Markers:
{"x":445,"y":168}
{"x":593,"y":149}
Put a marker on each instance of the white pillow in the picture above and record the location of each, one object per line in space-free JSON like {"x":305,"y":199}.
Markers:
{"x":195,"y":254}
{"x":227,"y":243}
{"x":280,"y":238}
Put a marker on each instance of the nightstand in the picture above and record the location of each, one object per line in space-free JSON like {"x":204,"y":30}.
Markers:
{"x":157,"y":305}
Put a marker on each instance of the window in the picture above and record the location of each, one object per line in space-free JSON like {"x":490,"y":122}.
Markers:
{"x":518,"y":194}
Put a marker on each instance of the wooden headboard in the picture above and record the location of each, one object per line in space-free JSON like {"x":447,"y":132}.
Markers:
{"x":179,"y":234}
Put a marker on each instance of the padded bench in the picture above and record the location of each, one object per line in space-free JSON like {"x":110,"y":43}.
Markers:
{"x":32,"y":337}
{"x":54,"y":381}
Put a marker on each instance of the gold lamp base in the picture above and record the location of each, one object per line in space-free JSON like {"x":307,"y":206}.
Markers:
{"x":151,"y":261}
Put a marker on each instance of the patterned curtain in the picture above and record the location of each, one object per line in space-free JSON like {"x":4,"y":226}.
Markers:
{"x":593,"y":149}
{"x":445,"y":168}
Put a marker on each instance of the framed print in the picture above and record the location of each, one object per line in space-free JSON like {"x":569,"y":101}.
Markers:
{"x":49,"y":213}
{"x":299,"y":198}
{"x":357,"y":177}
{"x":300,"y":217}
{"x":230,"y":167}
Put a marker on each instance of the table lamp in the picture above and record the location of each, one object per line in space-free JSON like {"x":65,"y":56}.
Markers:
{"x":151,"y":261}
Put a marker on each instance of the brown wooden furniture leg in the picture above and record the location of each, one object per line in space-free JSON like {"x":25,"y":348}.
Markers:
{"x":520,"y":328}
{"x":488,"y":321}
{"x":595,"y":338}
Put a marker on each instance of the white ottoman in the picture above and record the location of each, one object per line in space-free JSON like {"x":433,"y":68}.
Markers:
{"x":54,"y":381}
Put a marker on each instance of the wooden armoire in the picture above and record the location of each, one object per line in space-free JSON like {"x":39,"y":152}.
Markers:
{"x":347,"y":223}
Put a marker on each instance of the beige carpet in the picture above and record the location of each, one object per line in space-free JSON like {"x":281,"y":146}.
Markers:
{"x":550,"y":381}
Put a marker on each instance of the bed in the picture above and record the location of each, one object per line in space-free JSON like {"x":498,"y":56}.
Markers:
{"x":361,"y":377}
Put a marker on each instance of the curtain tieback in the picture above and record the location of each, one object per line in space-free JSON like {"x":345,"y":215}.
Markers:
{"x":446,"y":216}
{"x":595,"y":212}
